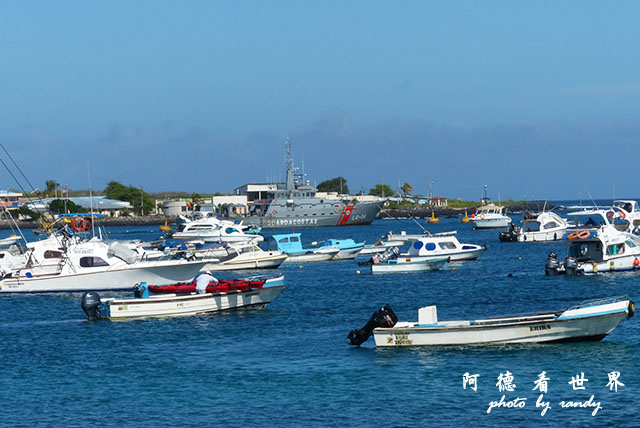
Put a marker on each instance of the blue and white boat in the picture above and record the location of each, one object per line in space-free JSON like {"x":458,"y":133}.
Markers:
{"x":588,"y":321}
{"x":438,"y":245}
{"x":349,"y":249}
{"x":291,"y":245}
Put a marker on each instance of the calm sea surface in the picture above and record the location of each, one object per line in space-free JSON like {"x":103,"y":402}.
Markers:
{"x":289,"y":365}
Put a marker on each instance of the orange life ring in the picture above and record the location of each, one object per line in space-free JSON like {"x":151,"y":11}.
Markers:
{"x":584,"y":234}
{"x":610,"y":214}
{"x":572,"y":235}
{"x":622,"y":215}
{"x":481,"y":216}
{"x":79,"y":224}
{"x":275,"y":201}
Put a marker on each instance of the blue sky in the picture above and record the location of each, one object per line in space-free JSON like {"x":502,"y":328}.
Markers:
{"x":534,"y":99}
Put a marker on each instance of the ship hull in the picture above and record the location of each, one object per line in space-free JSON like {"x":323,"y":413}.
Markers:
{"x":294,"y":215}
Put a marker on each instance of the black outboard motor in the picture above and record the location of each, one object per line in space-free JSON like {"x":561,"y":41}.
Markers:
{"x":90,"y":305}
{"x":571,"y":266}
{"x":383,"y":317}
{"x":388,"y":254}
{"x":552,"y":265}
{"x":509,"y":236}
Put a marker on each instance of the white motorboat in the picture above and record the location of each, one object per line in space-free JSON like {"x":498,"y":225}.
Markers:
{"x":490,"y":216}
{"x":291,"y":245}
{"x":211,"y":229}
{"x":627,"y":210}
{"x":407,"y":264}
{"x":588,"y":321}
{"x":597,"y":245}
{"x":181,"y":300}
{"x":440,"y":245}
{"x":538,"y":227}
{"x":245,"y":256}
{"x":95,"y":265}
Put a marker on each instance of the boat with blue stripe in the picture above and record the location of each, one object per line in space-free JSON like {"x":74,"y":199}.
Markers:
{"x":588,"y":321}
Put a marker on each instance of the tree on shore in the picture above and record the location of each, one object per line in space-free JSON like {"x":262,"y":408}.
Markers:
{"x":382,"y":190}
{"x":406,"y":189}
{"x":52,"y":187}
{"x":338,"y":185}
{"x":142,"y":202}
{"x":57,"y":206}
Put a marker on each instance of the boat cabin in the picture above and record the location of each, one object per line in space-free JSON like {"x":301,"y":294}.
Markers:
{"x":287,"y":243}
{"x":489,"y":209}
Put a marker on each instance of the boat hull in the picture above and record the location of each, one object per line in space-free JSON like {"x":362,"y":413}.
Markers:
{"x":191,"y":304}
{"x":617,"y":264}
{"x":542,"y":332}
{"x":401,"y":265}
{"x":311,"y":257}
{"x":271,"y":262}
{"x":157,"y":273}
{"x":541,"y":236}
{"x":491,"y":223}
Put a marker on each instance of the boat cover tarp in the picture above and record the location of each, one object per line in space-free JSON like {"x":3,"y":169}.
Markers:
{"x":223,"y":286}
{"x":123,"y":252}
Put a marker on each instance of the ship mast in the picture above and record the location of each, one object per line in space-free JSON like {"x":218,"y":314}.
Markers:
{"x":290,"y":170}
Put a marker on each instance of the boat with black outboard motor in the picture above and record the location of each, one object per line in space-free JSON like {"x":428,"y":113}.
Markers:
{"x":254,"y":292}
{"x":588,"y":321}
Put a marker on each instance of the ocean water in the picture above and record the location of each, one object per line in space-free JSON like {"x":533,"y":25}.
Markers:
{"x":290,"y":365}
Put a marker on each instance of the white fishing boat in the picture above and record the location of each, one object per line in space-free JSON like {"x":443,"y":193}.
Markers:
{"x":490,"y":216}
{"x":599,"y":244}
{"x":182,"y":300}
{"x":407,"y":264}
{"x":588,"y":321}
{"x":245,"y":256}
{"x":538,"y":227}
{"x":291,"y":245}
{"x":95,"y":265}
{"x":628,"y":210}
{"x":211,"y":229}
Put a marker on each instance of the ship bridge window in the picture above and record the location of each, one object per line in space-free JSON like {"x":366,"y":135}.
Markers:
{"x":295,"y":239}
{"x":50,"y":254}
{"x":448,"y":245}
{"x":417,"y":245}
{"x":630,"y":244}
{"x":230,"y":230}
{"x":283,"y":240}
{"x":550,"y":225}
{"x":92,"y":262}
{"x":430,"y":246}
{"x":614,"y":249}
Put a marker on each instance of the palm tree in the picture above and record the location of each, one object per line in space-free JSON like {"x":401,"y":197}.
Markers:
{"x":52,"y":187}
{"x":406,"y":189}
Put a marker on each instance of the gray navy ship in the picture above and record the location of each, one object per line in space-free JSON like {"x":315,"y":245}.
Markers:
{"x":295,"y":204}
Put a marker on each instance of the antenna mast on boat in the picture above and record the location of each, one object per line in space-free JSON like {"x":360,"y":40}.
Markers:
{"x":93,"y":229}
